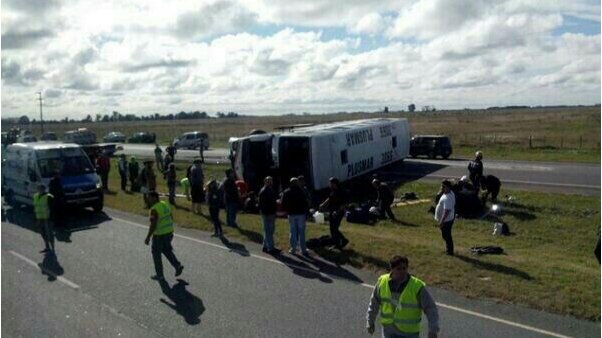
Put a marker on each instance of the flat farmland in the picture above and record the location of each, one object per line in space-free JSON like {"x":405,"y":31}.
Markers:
{"x":544,"y":134}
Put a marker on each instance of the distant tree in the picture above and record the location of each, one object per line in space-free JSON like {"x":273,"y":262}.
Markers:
{"x":24,"y":120}
{"x":98,"y":117}
{"x":412,"y":108}
{"x":220,"y":114}
{"x":106,"y":118}
{"x":88,"y":118}
{"x":386,"y":110}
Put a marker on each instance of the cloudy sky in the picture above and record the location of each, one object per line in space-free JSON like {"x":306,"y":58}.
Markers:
{"x":282,"y":56}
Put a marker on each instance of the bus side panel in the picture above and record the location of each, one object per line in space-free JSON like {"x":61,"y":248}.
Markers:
{"x":322,"y":161}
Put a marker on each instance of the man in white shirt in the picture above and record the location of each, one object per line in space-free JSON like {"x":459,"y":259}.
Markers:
{"x":445,"y":214}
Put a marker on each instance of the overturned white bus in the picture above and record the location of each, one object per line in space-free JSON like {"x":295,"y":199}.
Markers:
{"x":344,"y":150}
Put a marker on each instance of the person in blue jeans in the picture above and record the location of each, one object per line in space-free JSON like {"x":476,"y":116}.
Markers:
{"x":231,"y":198}
{"x":295,"y":204}
{"x":267,"y":209}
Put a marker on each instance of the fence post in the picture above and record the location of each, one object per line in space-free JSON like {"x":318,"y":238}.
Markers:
{"x":494,"y":138}
{"x":544,"y":142}
{"x":530,"y":141}
{"x":580,"y":141}
{"x":480,"y":139}
{"x":561,"y":141}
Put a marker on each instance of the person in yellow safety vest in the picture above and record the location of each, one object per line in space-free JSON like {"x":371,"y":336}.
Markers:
{"x":400,"y":299}
{"x":161,"y":229}
{"x":41,"y":207}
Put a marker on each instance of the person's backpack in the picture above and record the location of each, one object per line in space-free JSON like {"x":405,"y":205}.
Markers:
{"x":486,"y":250}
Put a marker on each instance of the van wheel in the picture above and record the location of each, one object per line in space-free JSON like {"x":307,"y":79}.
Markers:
{"x":97,"y":207}
{"x":445,"y":156}
{"x":413,"y":155}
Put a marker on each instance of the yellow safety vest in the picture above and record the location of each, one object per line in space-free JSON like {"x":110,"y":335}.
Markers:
{"x":403,"y":312}
{"x":164,"y":220}
{"x":40,"y":205}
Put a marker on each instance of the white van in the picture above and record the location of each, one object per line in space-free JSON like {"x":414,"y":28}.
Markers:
{"x":25,"y":165}
{"x":344,"y":150}
{"x":80,"y":136}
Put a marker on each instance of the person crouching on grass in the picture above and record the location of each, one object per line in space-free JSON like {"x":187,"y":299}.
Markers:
{"x":41,"y":207}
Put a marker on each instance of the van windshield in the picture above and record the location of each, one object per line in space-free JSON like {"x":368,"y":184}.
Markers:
{"x":69,"y":162}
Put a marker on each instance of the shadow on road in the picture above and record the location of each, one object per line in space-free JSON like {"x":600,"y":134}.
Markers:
{"x":187,"y":305}
{"x":235,"y":247}
{"x":494,"y":267}
{"x":51,"y":267}
{"x":301,"y":269}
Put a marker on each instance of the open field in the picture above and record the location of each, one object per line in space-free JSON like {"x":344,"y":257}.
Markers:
{"x":542,"y":134}
{"x":548,"y":264}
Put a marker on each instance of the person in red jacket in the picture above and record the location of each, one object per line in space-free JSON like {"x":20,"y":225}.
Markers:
{"x":103,"y":164}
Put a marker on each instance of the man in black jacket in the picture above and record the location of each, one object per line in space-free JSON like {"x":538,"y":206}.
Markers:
{"x":295,"y":204}
{"x":267,"y":209}
{"x":231,"y":198}
{"x":335,"y":203}
{"x":385,"y":199}
{"x":475,"y":170}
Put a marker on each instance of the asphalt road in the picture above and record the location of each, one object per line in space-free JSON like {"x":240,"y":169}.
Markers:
{"x":574,"y":178}
{"x":99,"y":286}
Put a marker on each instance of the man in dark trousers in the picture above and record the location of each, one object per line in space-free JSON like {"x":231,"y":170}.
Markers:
{"x":491,"y":185}
{"x":445,"y":214}
{"x":475,"y":170}
{"x":171,"y":151}
{"x":134,"y":171}
{"x":103,"y":163}
{"x":231,"y":198}
{"x":335,"y":204}
{"x":55,"y":188}
{"x":122,"y":165}
{"x":384,"y":199}
{"x":400,"y":298}
{"x":267,"y":209}
{"x":295,"y":205}
{"x":161,"y":229}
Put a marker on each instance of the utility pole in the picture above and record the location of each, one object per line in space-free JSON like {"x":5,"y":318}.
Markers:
{"x":41,"y":116}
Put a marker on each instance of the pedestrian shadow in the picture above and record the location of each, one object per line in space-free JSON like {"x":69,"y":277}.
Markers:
{"x":494,"y":267}
{"x":301,"y":269}
{"x":350,"y":257}
{"x":51,"y":267}
{"x":186,"y":304}
{"x":332,"y":269}
{"x":253,"y":236}
{"x":235,"y":247}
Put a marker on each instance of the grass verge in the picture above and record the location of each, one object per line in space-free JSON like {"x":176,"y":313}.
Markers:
{"x":548,"y":262}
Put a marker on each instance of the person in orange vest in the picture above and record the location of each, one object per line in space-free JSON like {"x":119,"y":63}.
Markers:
{"x":41,"y":207}
{"x":161,"y":229}
{"x":400,"y":298}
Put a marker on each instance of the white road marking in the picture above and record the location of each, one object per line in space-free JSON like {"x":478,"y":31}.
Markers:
{"x":446,"y":306}
{"x":34,"y":264}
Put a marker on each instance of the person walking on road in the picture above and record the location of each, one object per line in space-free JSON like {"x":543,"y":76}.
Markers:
{"x":384,"y":199}
{"x":41,"y":207}
{"x":161,"y":229}
{"x":159,"y":157}
{"x":295,"y":204}
{"x":122,"y":165}
{"x":445,"y":214}
{"x":133,"y":171}
{"x":475,"y":170}
{"x":400,"y":298}
{"x":231,"y":198}
{"x":267,"y":209}
{"x":197,"y":179}
{"x":213,"y":202}
{"x":335,"y":204}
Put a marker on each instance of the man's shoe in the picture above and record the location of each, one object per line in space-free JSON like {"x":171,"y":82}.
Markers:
{"x":306,"y":254}
{"x":158,"y":278}
{"x":264,"y":249}
{"x":292,"y":251}
{"x":179,"y":270}
{"x":344,"y":242}
{"x":274,"y":251}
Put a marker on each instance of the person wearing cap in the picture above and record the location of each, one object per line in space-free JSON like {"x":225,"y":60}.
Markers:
{"x":445,"y":215}
{"x":41,"y":207}
{"x":122,"y":166}
{"x":231,"y":198}
{"x":384,"y":199}
{"x":161,"y":229}
{"x":295,"y":204}
{"x":335,"y":204}
{"x":475,"y":170}
{"x":133,"y":171}
{"x":400,"y":298}
{"x":197,"y":179}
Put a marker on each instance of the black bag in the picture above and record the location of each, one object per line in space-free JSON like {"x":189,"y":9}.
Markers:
{"x":486,"y":250}
{"x":360,"y":215}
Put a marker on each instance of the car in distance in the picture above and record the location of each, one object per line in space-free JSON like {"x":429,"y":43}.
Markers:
{"x":49,"y":136}
{"x":80,"y":136}
{"x":114,"y":136}
{"x":431,"y":146}
{"x":27,"y":139}
{"x":142,"y":137}
{"x":192,"y":140}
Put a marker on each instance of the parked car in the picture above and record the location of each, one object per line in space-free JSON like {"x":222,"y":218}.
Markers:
{"x":114,"y":136}
{"x":27,"y":139}
{"x":80,"y":136}
{"x":192,"y":140}
{"x":142,"y":137}
{"x":431,"y":146}
{"x":49,"y":136}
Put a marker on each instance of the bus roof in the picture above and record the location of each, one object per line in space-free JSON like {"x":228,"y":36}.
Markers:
{"x":336,"y":127}
{"x":44,"y":145}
